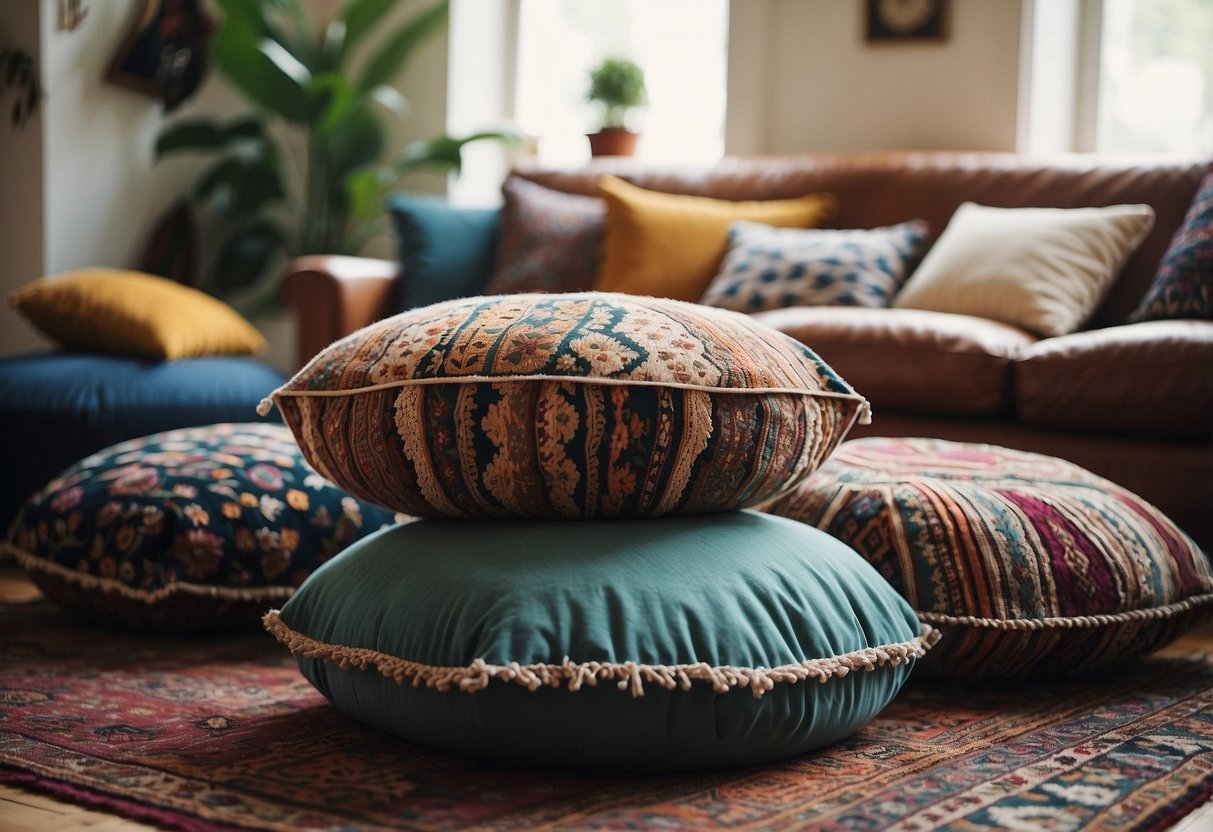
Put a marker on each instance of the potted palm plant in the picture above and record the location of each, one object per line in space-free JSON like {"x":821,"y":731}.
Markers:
{"x":310,"y":86}
{"x":617,"y":85}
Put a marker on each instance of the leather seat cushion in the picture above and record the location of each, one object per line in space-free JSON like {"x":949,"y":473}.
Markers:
{"x":1153,"y":378}
{"x":912,"y":360}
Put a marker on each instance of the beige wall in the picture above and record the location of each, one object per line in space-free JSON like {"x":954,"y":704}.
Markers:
{"x":802,"y":78}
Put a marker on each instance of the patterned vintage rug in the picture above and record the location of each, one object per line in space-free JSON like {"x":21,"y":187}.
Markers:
{"x":222,"y":734}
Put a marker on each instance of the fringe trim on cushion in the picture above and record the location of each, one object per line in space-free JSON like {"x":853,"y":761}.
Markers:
{"x":627,"y":676}
{"x":1072,"y":622}
{"x":865,"y":411}
{"x":33,"y":563}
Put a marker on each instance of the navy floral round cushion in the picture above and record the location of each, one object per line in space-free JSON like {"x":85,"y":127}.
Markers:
{"x":192,"y":530}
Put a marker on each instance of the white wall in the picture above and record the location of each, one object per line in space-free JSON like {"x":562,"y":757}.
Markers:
{"x":803,"y":78}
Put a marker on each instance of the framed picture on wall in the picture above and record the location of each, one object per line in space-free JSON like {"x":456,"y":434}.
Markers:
{"x":904,"y":20}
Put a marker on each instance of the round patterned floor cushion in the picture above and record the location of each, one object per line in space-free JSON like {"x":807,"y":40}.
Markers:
{"x":579,"y":406}
{"x":190,"y":530}
{"x":681,"y":642}
{"x":1028,"y":565}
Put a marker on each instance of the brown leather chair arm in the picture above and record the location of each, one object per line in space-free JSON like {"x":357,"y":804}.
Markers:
{"x":332,"y":296}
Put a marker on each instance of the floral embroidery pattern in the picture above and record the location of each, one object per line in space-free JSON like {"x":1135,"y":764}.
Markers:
{"x":231,"y":507}
{"x":584,"y":405}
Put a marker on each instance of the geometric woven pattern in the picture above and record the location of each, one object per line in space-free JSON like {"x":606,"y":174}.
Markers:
{"x":1027,"y":564}
{"x":577,"y":405}
{"x":769,"y":268}
{"x":1183,"y":287}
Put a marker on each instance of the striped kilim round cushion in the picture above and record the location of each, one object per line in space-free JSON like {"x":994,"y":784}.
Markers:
{"x":1028,"y":565}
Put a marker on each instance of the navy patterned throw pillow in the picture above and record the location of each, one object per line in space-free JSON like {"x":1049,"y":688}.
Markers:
{"x":1183,"y":286}
{"x":186,"y":531}
{"x":769,"y":268}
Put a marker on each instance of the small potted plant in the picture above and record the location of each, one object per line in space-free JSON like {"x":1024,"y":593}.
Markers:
{"x":617,"y":84}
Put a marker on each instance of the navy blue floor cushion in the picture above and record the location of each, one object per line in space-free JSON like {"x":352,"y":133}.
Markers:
{"x":58,"y":407}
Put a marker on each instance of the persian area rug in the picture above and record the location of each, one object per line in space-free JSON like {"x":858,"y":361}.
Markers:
{"x":225,"y":734}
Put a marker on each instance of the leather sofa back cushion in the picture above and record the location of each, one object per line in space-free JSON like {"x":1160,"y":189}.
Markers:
{"x":885,"y":188}
{"x":1126,"y":379}
{"x":912,"y":360}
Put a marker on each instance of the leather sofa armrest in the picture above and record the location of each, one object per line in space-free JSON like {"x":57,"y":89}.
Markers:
{"x":333,"y":296}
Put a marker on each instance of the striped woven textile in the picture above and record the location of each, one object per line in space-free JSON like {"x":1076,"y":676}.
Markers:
{"x":1028,"y":565}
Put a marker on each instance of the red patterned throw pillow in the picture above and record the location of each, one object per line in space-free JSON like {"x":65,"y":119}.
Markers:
{"x":1028,"y":565}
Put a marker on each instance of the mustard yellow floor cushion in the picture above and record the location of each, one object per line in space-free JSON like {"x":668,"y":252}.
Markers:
{"x":671,"y":643}
{"x":581,"y":405}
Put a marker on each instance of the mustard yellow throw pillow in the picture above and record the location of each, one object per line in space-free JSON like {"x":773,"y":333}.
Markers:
{"x":131,"y":313}
{"x":671,"y":245}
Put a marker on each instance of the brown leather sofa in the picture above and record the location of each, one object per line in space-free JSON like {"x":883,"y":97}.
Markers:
{"x":1132,"y":402}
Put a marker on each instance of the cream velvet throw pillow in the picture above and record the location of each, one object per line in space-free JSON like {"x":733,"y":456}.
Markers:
{"x":1041,"y":269}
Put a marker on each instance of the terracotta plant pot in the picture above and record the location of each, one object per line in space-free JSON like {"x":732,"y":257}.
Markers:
{"x":613,"y":141}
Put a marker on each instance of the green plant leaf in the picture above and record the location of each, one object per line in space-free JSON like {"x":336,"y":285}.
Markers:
{"x":361,"y":16}
{"x":388,"y":61}
{"x":366,"y":188}
{"x":189,"y":135}
{"x":264,"y":71}
{"x":244,"y":127}
{"x":236,"y":187}
{"x":247,"y":255}
{"x":445,"y":152}
{"x":332,"y":47}
{"x":357,"y":141}
{"x":333,"y":98}
{"x":392,"y":100}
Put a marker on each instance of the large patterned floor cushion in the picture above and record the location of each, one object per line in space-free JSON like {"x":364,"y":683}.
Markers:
{"x":681,"y":642}
{"x":580,"y":406}
{"x":190,"y":530}
{"x":1028,"y":565}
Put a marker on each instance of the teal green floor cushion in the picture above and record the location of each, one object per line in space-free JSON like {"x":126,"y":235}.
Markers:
{"x":186,"y":531}
{"x":674,"y":643}
{"x":586,"y":405}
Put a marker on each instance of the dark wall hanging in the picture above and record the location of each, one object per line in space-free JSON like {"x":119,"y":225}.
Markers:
{"x":164,"y":55}
{"x":905,"y":20}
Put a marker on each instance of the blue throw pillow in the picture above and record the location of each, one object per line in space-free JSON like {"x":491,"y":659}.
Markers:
{"x":769,"y":268}
{"x":446,"y":252}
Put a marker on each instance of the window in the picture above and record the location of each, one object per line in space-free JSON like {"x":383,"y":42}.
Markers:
{"x":1119,"y":76}
{"x":680,"y":44}
{"x":1156,"y":76}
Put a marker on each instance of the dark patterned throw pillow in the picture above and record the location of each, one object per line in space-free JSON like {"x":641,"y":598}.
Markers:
{"x":1183,"y":287}
{"x":549,"y":241}
{"x":191,"y":530}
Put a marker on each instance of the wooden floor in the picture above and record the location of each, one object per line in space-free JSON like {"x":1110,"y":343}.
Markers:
{"x":25,"y":811}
